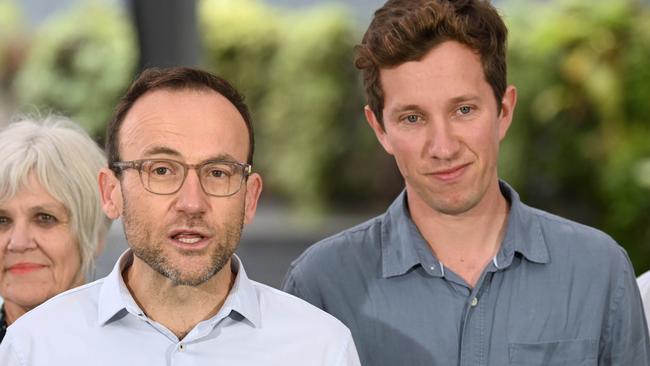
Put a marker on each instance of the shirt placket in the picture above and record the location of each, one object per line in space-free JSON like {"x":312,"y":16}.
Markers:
{"x":475,"y":324}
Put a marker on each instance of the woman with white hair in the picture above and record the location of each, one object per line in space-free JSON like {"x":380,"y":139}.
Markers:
{"x":51,"y":222}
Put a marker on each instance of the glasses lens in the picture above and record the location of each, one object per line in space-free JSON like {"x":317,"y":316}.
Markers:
{"x":162,"y":176}
{"x":221,"y":179}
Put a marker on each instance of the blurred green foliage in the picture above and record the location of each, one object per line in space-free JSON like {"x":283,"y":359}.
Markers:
{"x":11,"y":21}
{"x":295,"y":68}
{"x":580,"y":142}
{"x":78,"y":65}
{"x":579,"y":145}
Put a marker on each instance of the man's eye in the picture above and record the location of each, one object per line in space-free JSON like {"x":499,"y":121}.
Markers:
{"x":218,"y":173}
{"x":161,"y":171}
{"x":161,"y":168}
{"x":4,"y":220}
{"x":465,"y":109}
{"x":412,"y":118}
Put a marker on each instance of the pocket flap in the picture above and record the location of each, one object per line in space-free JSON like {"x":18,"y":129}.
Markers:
{"x":553,"y":353}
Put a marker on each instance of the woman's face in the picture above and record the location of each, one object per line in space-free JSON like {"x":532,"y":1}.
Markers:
{"x":39,"y":255}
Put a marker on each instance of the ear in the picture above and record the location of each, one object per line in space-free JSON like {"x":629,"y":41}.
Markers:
{"x":508,"y":104}
{"x":110,"y":191}
{"x":253,"y":192}
{"x":379,"y":130}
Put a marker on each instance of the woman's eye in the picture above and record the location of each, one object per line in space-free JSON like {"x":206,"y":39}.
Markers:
{"x":44,"y":218}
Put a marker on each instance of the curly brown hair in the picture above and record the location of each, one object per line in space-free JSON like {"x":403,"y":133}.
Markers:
{"x":406,"y":30}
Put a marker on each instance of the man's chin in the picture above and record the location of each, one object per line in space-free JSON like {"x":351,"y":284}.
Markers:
{"x":204,"y":272}
{"x":452,"y":205}
{"x":190,"y":280}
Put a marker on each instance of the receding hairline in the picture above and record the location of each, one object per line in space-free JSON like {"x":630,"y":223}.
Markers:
{"x":175,"y":89}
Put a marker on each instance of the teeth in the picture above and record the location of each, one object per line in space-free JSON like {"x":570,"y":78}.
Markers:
{"x":190,"y":240}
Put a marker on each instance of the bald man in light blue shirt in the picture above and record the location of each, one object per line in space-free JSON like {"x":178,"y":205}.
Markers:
{"x":101,"y":324}
{"x":180,"y":151}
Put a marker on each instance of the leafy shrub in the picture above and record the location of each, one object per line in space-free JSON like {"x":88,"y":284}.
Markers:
{"x":314,"y":147}
{"x":79,"y":64}
{"x":579,"y":145}
{"x":11,"y":52}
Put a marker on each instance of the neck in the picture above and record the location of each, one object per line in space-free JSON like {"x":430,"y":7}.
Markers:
{"x":13,"y":311}
{"x":465,"y":242}
{"x":178,"y":307}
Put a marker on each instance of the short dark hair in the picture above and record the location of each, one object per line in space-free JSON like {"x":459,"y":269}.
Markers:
{"x":175,"y":78}
{"x":406,"y":30}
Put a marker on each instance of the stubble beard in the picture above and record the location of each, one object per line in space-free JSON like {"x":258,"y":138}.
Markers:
{"x":150,"y":251}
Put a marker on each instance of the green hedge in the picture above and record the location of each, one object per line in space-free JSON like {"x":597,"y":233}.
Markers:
{"x":580,"y":143}
{"x":79,"y":64}
{"x":314,"y":147}
{"x":11,"y":29}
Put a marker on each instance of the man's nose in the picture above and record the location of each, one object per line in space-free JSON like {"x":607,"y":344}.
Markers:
{"x":442,"y":140}
{"x":190,"y":197}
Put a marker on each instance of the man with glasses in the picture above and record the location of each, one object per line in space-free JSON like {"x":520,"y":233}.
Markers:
{"x":180,"y":149}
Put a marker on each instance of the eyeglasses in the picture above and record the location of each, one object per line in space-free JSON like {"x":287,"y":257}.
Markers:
{"x":162,"y":176}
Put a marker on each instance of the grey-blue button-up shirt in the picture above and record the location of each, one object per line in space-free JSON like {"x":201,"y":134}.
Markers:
{"x":556,"y":293}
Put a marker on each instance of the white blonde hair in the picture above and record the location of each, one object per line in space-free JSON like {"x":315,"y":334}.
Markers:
{"x":65,"y":161}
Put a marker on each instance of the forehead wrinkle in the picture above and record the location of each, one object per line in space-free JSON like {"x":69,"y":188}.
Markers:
{"x":135,"y":130}
{"x":28,"y":203}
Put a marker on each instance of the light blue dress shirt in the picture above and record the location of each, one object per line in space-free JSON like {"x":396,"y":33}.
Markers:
{"x":101,"y":324}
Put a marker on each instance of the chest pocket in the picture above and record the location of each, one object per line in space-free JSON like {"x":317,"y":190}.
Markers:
{"x":561,"y":353}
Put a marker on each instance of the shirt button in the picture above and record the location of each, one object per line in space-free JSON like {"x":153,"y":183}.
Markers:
{"x":181,"y":347}
{"x":432,"y":268}
{"x":474,"y":301}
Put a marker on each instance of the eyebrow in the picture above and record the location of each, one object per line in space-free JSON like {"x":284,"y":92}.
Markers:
{"x":161,"y":150}
{"x":403,"y":108}
{"x":414,"y":107}
{"x":464,"y":98}
{"x":222,"y":157}
{"x":57,"y":209}
{"x":164,"y":150}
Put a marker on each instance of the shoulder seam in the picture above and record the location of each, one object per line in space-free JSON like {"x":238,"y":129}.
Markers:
{"x":548,"y":216}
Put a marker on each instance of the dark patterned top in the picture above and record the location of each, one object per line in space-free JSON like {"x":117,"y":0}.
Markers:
{"x":3,"y":323}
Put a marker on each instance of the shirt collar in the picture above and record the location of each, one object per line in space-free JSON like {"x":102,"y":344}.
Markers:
{"x":523,"y":232}
{"x":115,"y":297}
{"x":243,"y":297}
{"x":403,"y":247}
